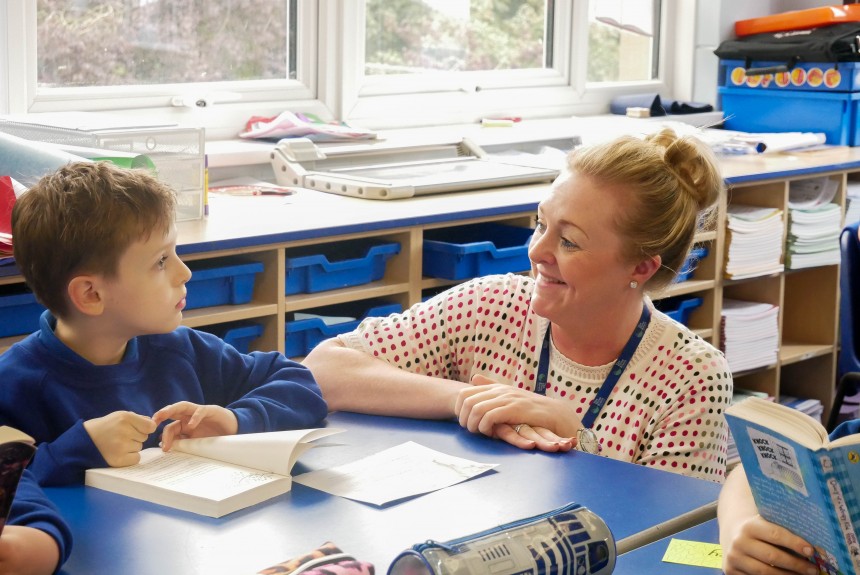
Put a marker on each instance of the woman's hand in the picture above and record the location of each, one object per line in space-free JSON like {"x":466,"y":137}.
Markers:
{"x":193,"y":420}
{"x":522,"y":418}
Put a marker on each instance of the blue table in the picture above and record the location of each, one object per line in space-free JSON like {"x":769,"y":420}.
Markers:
{"x":649,"y":559}
{"x":116,"y":534}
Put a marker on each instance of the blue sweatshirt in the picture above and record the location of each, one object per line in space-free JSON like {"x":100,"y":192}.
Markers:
{"x":48,"y":391}
{"x":31,"y":508}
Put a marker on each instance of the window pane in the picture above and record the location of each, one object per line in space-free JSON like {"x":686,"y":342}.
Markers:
{"x":416,"y":36}
{"x":134,"y":42}
{"x":622,"y":40}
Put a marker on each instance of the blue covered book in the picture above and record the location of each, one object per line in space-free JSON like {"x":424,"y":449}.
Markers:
{"x":800,"y":479}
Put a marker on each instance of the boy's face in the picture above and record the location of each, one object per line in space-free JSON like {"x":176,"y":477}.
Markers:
{"x":147,"y":295}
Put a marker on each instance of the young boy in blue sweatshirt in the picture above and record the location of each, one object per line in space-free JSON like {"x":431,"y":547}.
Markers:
{"x":35,"y":539}
{"x":110,"y":362}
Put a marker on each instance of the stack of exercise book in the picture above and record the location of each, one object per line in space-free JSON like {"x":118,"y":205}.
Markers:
{"x":749,"y":334}
{"x":814,"y":223}
{"x":754,"y":236}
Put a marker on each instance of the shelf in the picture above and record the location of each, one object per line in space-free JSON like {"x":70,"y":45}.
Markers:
{"x":689,"y":286}
{"x":367,"y":291}
{"x":223,"y":313}
{"x":794,"y":352}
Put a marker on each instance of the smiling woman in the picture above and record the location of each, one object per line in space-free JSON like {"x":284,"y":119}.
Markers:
{"x":575,"y":355}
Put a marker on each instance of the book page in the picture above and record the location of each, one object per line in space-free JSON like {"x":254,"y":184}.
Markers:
{"x":402,"y":471}
{"x":275,"y":451}
{"x":184,"y":473}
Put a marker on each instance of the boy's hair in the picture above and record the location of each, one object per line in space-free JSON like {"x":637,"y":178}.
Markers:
{"x":81,"y":219}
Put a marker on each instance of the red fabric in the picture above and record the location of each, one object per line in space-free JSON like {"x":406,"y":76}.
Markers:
{"x":7,"y":200}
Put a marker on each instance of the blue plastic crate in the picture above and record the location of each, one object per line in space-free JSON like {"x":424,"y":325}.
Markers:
{"x":679,"y":308}
{"x":225,"y":284}
{"x":305,"y":334}
{"x":815,"y":76}
{"x":239,"y":334}
{"x":475,"y":250}
{"x":19,"y":311}
{"x":834,"y":114}
{"x":696,"y":254}
{"x":338,"y":265}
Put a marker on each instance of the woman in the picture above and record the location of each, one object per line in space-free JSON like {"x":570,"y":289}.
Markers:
{"x":617,"y":224}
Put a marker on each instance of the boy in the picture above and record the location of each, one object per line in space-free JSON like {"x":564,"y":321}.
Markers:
{"x":35,"y":539}
{"x":110,"y":364}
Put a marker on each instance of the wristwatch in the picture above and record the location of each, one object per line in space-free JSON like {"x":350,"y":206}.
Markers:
{"x":587,"y":440}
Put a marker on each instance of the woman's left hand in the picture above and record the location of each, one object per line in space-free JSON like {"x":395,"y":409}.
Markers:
{"x":497,"y":409}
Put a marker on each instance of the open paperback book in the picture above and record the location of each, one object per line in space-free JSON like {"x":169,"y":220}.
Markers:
{"x":16,"y":450}
{"x":800,"y":479}
{"x":212,"y":476}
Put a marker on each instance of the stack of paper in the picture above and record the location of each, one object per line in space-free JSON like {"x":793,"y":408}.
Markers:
{"x":814,"y":223}
{"x":755,"y":241}
{"x":750,"y":335}
{"x":852,"y":208}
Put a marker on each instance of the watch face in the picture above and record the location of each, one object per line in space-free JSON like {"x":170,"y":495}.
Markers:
{"x":588,"y":441}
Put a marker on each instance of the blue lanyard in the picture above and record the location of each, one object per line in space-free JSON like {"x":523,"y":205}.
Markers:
{"x":614,"y":374}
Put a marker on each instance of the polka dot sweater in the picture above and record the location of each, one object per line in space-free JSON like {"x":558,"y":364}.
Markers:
{"x":666,"y":411}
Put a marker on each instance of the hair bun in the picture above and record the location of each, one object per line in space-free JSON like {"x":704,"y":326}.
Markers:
{"x":693,"y":163}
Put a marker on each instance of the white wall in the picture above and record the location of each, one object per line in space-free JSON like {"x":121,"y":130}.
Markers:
{"x":708,"y":35}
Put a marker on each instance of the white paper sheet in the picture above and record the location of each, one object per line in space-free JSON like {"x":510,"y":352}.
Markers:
{"x":402,"y":471}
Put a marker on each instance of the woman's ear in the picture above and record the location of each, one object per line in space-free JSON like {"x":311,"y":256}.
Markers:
{"x":646,"y":268}
{"x":85,"y":295}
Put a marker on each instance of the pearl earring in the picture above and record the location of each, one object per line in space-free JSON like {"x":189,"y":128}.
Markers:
{"x":634,"y":284}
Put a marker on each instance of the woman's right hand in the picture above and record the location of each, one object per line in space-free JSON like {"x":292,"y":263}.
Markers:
{"x":763,"y":548}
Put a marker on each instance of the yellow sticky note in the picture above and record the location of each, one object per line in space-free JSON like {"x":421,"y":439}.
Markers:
{"x":694,"y":553}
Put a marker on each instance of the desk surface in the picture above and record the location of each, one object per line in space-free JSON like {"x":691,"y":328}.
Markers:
{"x":649,"y":559}
{"x":116,"y":534}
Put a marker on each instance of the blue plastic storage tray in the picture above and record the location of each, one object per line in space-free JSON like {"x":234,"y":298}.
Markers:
{"x":475,"y":250}
{"x":679,"y":308}
{"x":305,"y":334}
{"x":816,"y":76}
{"x":834,"y":114}
{"x":239,"y":334}
{"x":19,"y":310}
{"x":334,"y":266}
{"x":697,"y":254}
{"x":228,"y":283}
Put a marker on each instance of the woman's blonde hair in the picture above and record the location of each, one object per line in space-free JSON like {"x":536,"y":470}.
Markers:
{"x":672,"y":184}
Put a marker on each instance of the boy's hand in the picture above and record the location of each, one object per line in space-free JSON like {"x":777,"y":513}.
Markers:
{"x":119,"y":436}
{"x":193,"y":420}
{"x":26,"y":550}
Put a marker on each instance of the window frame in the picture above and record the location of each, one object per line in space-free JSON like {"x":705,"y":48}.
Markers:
{"x":331,"y":83}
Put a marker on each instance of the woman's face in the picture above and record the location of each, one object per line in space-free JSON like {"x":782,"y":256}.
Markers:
{"x":576,"y":250}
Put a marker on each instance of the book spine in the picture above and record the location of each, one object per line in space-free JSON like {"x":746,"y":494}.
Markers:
{"x":844,"y":507}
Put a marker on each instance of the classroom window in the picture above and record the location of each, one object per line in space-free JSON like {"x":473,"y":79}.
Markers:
{"x":427,"y":36}
{"x":623,"y":36}
{"x":86,"y":43}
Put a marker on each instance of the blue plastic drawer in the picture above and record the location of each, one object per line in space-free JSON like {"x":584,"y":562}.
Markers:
{"x":225,"y":284}
{"x":338,"y":265}
{"x":239,"y":334}
{"x":305,"y":334}
{"x":19,"y":311}
{"x":697,"y":254}
{"x":679,"y":308}
{"x":834,"y":114}
{"x":475,"y":250}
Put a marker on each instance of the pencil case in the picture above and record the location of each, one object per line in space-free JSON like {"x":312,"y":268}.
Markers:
{"x":570,"y":540}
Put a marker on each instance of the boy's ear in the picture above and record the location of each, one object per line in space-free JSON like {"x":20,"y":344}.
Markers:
{"x":85,"y":295}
